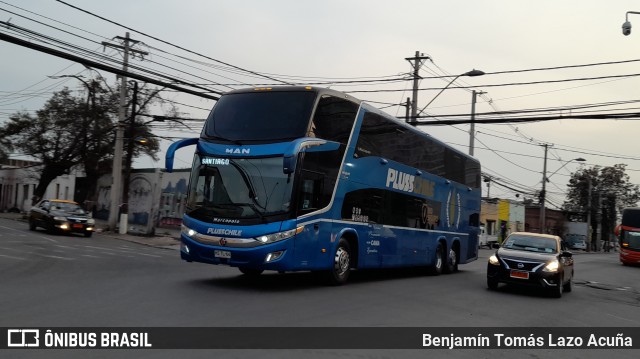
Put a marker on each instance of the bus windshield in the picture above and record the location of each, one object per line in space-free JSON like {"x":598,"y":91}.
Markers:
{"x":264,"y":116}
{"x":631,"y":240}
{"x":245,"y":190}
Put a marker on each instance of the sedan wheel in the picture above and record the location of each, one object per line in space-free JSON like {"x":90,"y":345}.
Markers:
{"x":557,"y":290}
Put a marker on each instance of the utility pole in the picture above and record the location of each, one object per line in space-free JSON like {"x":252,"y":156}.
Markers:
{"x":130,"y":144}
{"x":417,"y":63}
{"x":589,"y":229}
{"x":599,"y":219}
{"x":472,"y":130}
{"x":543,"y":193}
{"x":407,"y":106}
{"x":116,"y":186}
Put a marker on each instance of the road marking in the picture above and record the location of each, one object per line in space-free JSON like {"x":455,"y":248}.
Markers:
{"x":12,"y":257}
{"x":148,"y":255}
{"x":49,"y":239}
{"x":89,"y":255}
{"x":67,"y":247}
{"x":131,"y":251}
{"x":627,"y":319}
{"x":55,"y":257}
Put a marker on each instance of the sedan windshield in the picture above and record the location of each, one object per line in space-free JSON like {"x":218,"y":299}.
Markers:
{"x":228,"y":190}
{"x":66,"y":207}
{"x":531,"y":243}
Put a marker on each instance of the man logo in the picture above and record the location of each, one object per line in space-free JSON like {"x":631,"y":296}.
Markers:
{"x":237,"y":151}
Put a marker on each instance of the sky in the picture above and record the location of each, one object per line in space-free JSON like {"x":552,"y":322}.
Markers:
{"x":333,"y":41}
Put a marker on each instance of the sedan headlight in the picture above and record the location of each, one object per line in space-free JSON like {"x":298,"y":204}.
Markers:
{"x":494,"y":260}
{"x":275,"y":237}
{"x":552,"y":266}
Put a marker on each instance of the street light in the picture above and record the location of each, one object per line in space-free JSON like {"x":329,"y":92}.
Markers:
{"x":545,"y":179}
{"x":471,"y":73}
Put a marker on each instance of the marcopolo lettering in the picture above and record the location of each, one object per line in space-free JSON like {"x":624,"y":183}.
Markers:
{"x":225,"y":232}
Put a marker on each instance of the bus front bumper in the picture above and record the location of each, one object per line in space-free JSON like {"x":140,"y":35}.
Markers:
{"x":274,"y":256}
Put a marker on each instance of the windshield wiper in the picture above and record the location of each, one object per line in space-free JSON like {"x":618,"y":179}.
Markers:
{"x":254,"y":208}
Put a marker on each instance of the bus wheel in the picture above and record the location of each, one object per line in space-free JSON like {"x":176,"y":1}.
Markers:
{"x":249,"y":272}
{"x":451,"y":264}
{"x":438,"y":262}
{"x":339,"y":272}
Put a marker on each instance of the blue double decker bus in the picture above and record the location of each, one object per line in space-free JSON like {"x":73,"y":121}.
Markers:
{"x":311,"y":179}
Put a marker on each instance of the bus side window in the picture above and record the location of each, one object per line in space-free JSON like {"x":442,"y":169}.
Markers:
{"x":318,"y":175}
{"x":310,"y":191}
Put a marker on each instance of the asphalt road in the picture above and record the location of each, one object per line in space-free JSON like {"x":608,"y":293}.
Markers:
{"x":71,"y":281}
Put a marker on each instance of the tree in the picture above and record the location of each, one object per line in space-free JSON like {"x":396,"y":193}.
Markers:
{"x":72,"y":131}
{"x":610,"y":192}
{"x":51,"y":137}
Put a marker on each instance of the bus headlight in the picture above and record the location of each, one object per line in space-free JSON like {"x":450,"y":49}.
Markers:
{"x":188,"y":231}
{"x":552,"y":266}
{"x":275,"y":237}
{"x":273,"y":256}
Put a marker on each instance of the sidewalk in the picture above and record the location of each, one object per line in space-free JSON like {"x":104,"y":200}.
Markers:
{"x":164,"y":238}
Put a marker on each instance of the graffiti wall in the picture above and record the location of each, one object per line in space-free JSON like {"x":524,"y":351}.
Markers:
{"x":173,"y":198}
{"x":156,"y":200}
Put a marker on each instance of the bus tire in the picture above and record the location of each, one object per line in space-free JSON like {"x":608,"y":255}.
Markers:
{"x":438,"y":260}
{"x":451,"y":263}
{"x":340,"y":264}
{"x":250,"y":272}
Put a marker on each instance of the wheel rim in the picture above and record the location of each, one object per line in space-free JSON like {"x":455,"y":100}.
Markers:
{"x":341,"y":262}
{"x":439,"y":258}
{"x":452,"y":258}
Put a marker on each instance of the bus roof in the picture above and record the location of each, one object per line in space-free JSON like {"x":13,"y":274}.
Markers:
{"x":325,"y":91}
{"x":318,"y":90}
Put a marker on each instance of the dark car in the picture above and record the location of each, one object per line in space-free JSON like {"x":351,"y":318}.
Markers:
{"x":532,"y":259}
{"x":57,"y":215}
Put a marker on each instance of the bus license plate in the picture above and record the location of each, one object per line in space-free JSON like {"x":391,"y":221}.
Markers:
{"x":519,"y":274}
{"x":222,"y":254}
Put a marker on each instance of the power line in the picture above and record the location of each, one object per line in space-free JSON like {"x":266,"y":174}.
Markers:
{"x":100,"y":66}
{"x":505,"y":84}
{"x":171,"y":44}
